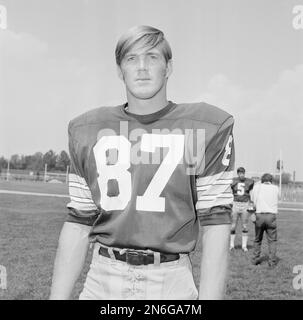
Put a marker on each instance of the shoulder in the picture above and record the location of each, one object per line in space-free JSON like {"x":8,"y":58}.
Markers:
{"x":93,"y":116}
{"x":201,"y":111}
{"x":257,"y":185}
{"x":250,"y":181}
{"x":235,"y":179}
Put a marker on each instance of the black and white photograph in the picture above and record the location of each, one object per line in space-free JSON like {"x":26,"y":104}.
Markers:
{"x":151,"y":150}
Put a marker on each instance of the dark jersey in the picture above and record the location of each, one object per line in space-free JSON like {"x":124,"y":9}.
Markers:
{"x":145,"y":181}
{"x":241,"y":189}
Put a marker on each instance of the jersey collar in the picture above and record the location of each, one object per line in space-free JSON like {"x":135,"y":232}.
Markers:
{"x":149,"y":118}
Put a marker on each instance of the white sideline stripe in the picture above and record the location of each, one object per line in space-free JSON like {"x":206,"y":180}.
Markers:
{"x":290,"y":202}
{"x":290,"y":209}
{"x":35,"y":194}
{"x":67,"y":196}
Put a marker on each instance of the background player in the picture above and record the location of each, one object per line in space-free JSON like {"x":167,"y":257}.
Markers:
{"x":141,"y":207}
{"x":241,"y":188}
{"x":265,"y":197}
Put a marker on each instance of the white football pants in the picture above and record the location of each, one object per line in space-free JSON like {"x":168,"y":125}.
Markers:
{"x":110,"y":279}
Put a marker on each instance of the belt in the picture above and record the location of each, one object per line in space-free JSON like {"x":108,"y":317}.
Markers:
{"x":137,"y":258}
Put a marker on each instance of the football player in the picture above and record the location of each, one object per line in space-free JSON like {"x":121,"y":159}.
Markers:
{"x":144,"y":176}
{"x":241,"y":188}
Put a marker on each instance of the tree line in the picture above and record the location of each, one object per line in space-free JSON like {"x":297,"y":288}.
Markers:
{"x":60,"y":161}
{"x":37,"y":161}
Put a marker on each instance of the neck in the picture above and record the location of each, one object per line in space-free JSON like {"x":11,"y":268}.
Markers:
{"x":146,"y":106}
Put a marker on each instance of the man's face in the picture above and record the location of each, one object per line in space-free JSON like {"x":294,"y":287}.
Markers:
{"x":144,"y":72}
{"x":241,"y":175}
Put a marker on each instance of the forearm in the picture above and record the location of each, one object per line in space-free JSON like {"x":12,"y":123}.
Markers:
{"x":70,"y":258}
{"x":214,"y":262}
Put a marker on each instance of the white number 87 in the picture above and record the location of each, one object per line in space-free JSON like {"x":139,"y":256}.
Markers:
{"x":150,"y":200}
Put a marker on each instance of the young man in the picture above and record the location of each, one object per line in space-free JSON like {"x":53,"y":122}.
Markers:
{"x":144,"y":175}
{"x":265,"y":197}
{"x":241,"y":188}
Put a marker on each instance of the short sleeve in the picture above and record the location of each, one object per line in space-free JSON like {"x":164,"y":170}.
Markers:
{"x":81,"y":207}
{"x":214,"y":194}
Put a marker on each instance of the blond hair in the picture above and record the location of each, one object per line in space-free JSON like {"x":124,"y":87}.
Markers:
{"x":147,"y":36}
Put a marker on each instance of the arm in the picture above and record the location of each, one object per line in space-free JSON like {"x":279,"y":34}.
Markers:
{"x":214,"y":206}
{"x":74,"y":242}
{"x":70,"y":258}
{"x":214,"y":261}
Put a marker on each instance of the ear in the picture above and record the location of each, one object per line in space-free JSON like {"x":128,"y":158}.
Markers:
{"x":169,"y":68}
{"x":120,"y":73}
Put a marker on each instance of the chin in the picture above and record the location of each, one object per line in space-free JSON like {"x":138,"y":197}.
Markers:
{"x":144,"y":94}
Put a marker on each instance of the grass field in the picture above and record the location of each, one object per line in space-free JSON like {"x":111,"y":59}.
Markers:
{"x":30,"y":227}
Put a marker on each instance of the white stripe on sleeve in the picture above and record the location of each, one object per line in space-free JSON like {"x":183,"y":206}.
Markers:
{"x":82,"y":206}
{"x":80,"y":194}
{"x":214,"y":190}
{"x":221,"y":178}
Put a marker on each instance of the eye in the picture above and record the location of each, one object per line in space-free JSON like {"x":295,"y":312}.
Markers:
{"x":130,"y":58}
{"x":153,"y":56}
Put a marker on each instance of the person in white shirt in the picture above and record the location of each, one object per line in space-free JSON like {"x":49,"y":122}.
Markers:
{"x":265,"y":198}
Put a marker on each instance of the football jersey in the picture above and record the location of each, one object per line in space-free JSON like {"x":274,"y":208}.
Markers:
{"x":241,"y":189}
{"x":146,"y":181}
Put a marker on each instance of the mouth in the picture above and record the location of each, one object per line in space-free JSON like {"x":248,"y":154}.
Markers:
{"x":143,"y":79}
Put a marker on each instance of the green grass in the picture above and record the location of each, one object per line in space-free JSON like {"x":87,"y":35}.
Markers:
{"x":29,"y":232}
{"x":29,"y":186}
{"x":249,"y":282}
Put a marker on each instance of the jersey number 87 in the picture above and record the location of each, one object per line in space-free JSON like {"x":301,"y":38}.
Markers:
{"x":150,"y":200}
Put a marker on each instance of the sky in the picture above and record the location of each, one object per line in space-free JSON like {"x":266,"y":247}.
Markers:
{"x":246,"y":57}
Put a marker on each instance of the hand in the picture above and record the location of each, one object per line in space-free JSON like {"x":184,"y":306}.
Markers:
{"x":251,"y":208}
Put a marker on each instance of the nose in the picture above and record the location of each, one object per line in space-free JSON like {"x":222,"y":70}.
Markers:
{"x":142,"y":63}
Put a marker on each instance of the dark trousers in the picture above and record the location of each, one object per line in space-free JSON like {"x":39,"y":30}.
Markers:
{"x":266,"y":222}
